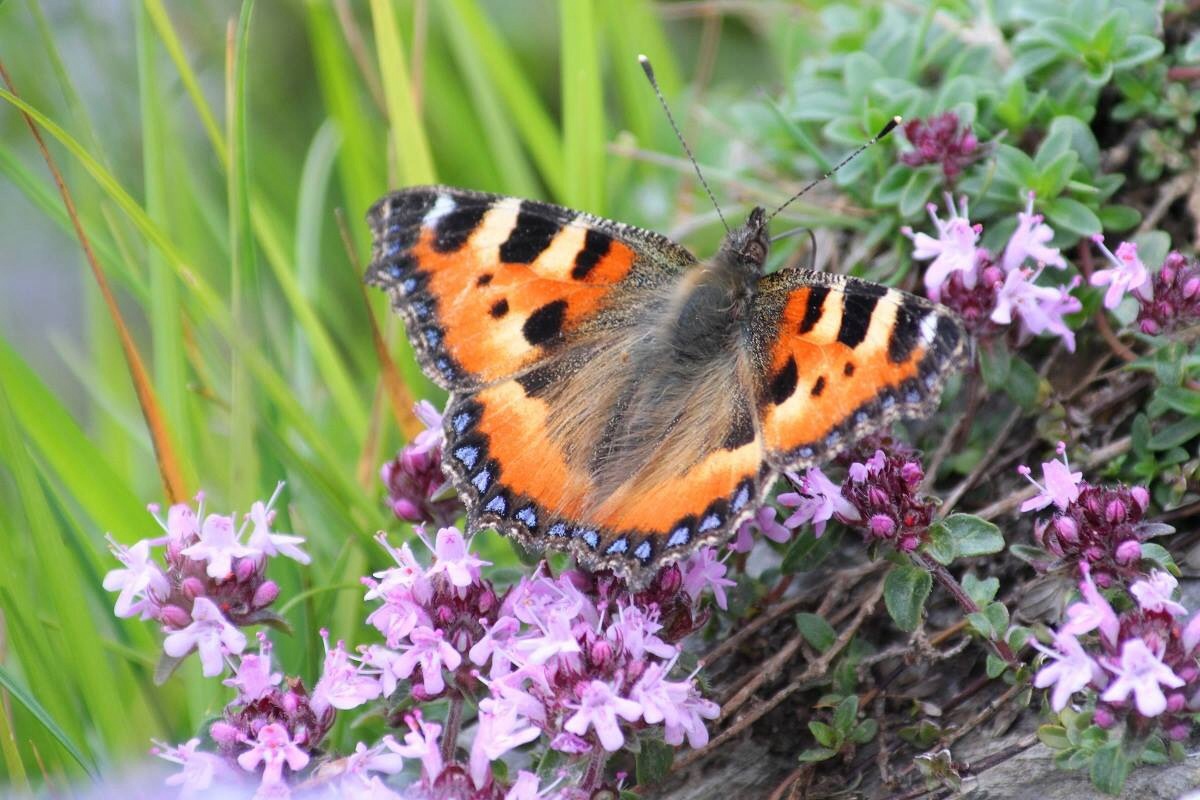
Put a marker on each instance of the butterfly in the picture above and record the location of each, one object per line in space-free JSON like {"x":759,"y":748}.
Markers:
{"x":613,"y":396}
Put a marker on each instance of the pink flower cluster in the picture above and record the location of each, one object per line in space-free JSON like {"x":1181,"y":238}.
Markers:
{"x":574,"y":660}
{"x":213,"y":581}
{"x":417,"y":489}
{"x":880,"y":496}
{"x":1141,"y":663}
{"x":990,"y":294}
{"x":1173,"y":299}
{"x":1098,"y":526}
{"x":941,"y":139}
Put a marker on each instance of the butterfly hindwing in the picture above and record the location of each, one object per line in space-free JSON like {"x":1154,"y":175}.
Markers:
{"x":489,"y":285}
{"x":841,"y":358}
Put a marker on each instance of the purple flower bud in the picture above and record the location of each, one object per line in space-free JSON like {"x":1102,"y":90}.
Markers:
{"x":882,"y":526}
{"x":1103,"y":717}
{"x":570,"y":743}
{"x":1066,"y":529}
{"x":670,"y":579}
{"x":1150,"y":327}
{"x":224,"y":734}
{"x":1128,"y":551}
{"x":877,"y":496}
{"x":1094,"y":553}
{"x":192,"y":587}
{"x":1175,"y":702}
{"x":291,"y":702}
{"x":174,"y":617}
{"x":1102,"y":579}
{"x":912,"y":473}
{"x":1179,"y":731}
{"x":1188,"y":673}
{"x":444,"y":615}
{"x":1191,"y":288}
{"x":245,"y":569}
{"x":909,"y":543}
{"x":265,"y":594}
{"x":1115,"y":511}
{"x":1140,"y":496}
{"x":601,"y":653}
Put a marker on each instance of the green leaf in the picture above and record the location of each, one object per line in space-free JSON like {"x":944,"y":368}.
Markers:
{"x":826,"y":735}
{"x":995,"y":666}
{"x":916,"y":192}
{"x":845,"y":714}
{"x":1138,"y":50}
{"x":1116,"y":218}
{"x":1073,"y":216}
{"x":1175,"y":434}
{"x":981,"y":591}
{"x":981,"y":624}
{"x":654,"y":761}
{"x":889,"y":188}
{"x":904,"y":592}
{"x":1023,"y":384}
{"x":864,"y":732}
{"x":1110,"y":768}
{"x":808,"y":550}
{"x":941,"y":544}
{"x":1053,"y":736}
{"x":972,"y":535}
{"x":1160,"y":556}
{"x":816,"y":631}
{"x":815,"y":754}
{"x":1183,"y":400}
{"x":995,"y":361}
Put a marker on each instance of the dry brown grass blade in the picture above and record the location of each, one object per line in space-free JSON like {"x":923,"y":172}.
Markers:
{"x":164,"y":452}
{"x":398,"y":395}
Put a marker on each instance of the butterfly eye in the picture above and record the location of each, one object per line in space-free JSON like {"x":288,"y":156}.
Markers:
{"x":755,"y":251}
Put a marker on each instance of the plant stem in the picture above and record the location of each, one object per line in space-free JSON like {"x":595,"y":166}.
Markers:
{"x":951,"y":585}
{"x":453,"y":722}
{"x":595,"y":769}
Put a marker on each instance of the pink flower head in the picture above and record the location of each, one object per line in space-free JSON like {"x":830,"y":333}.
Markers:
{"x":599,"y":708}
{"x":454,"y":560}
{"x":1172,"y":300}
{"x":219,"y":545}
{"x":273,"y":749}
{"x":414,"y":479}
{"x":1128,"y":273}
{"x":1069,"y":670}
{"x":1093,"y":613}
{"x":500,"y":730}
{"x":407,"y":579}
{"x":1143,"y":673}
{"x":1061,"y":486}
{"x":1154,"y":594}
{"x":266,"y":541}
{"x":637,"y":632}
{"x":816,"y":500}
{"x":139,"y":581}
{"x":210,"y":634}
{"x":432,"y":652}
{"x":341,"y":685}
{"x":1029,"y":241}
{"x":954,"y":249}
{"x":704,"y":570}
{"x":941,"y":139}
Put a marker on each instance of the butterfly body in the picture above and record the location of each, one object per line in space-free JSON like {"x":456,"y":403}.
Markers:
{"x":613,"y":396}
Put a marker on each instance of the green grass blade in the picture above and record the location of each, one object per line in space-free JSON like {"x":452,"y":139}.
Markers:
{"x":634,"y":29}
{"x":26,"y":700}
{"x":583,"y":107}
{"x":408,"y":132}
{"x":525,"y":109}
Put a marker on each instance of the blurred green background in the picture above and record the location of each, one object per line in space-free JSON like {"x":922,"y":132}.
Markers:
{"x":208,"y":148}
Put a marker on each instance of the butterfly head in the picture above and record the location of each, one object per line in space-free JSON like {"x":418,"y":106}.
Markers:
{"x":745,"y":248}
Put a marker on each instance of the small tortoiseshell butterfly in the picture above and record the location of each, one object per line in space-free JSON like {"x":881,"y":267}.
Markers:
{"x":612,"y":396}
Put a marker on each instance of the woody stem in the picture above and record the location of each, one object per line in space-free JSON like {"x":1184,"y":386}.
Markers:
{"x":453,"y":722}
{"x":951,"y":585}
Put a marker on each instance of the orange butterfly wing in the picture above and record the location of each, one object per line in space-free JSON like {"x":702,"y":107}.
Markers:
{"x":842,"y":358}
{"x":489,"y":285}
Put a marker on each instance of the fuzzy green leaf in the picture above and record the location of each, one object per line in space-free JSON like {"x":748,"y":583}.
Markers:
{"x":904,"y":593}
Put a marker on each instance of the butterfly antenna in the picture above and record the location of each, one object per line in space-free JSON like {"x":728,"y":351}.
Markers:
{"x":888,"y":128}
{"x":649,"y":70}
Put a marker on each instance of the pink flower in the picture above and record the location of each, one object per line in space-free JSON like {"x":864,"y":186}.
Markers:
{"x":1191,"y":634}
{"x":421,"y":742}
{"x":1070,"y":670}
{"x":415,"y":482}
{"x":1141,"y":672}
{"x":341,"y":685}
{"x":636,"y":631}
{"x":254,"y":677}
{"x":556,"y":639}
{"x":703,"y":570}
{"x":1040,"y":309}
{"x":599,"y":708}
{"x":407,"y":578}
{"x":525,"y":788}
{"x":675,"y":703}
{"x":500,"y":730}
{"x":199,"y":769}
{"x":764,"y":522}
{"x":266,"y":541}
{"x":1128,"y":273}
{"x":1061,"y":485}
{"x":1093,"y":613}
{"x":139,"y":581}
{"x":273,"y":749}
{"x":218,"y":546}
{"x":952,"y":251}
{"x":1155,"y":593}
{"x":210,"y":634}
{"x":378,"y":758}
{"x":817,"y":500}
{"x":454,"y":560}
{"x":431,"y":651}
{"x":496,"y":644}
{"x":1029,"y":241}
